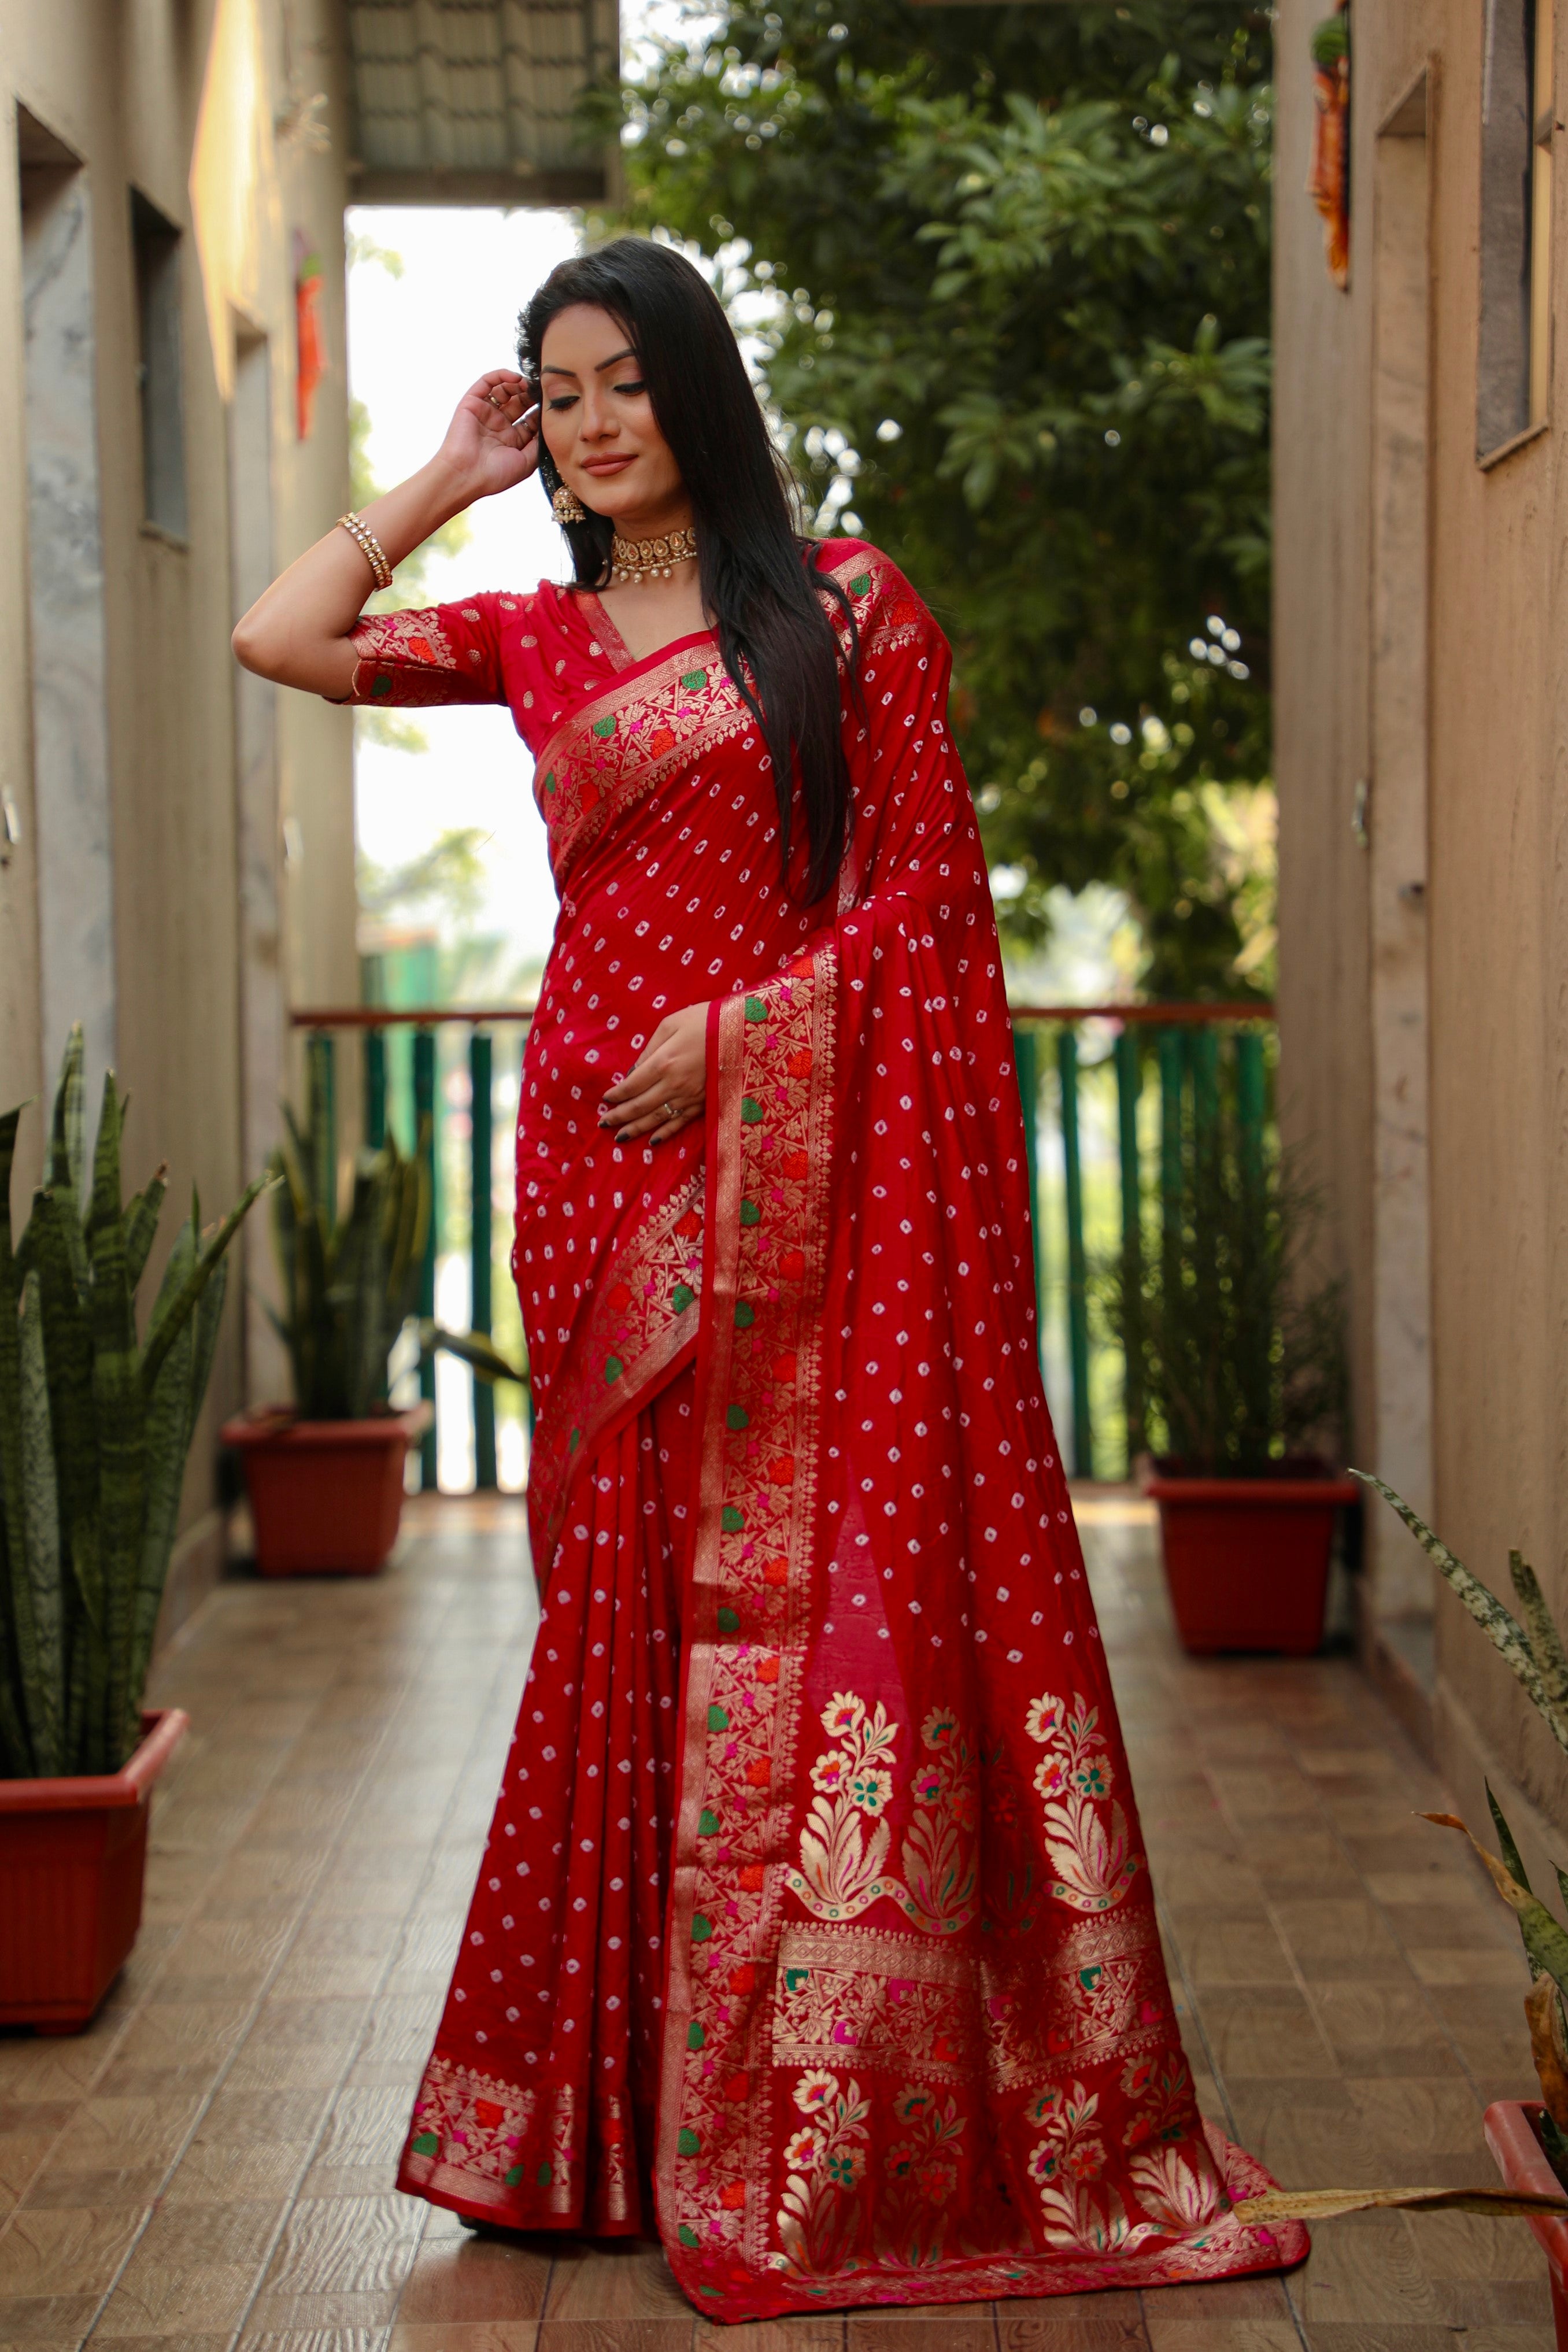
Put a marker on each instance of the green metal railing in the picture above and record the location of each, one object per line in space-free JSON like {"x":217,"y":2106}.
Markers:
{"x":427,"y":1113}
{"x":1132,"y":1074}
{"x":1152,"y":1066}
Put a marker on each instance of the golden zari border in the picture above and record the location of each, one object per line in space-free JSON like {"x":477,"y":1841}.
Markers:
{"x":514,"y":2148}
{"x":641,"y":1319}
{"x":770,"y":1153}
{"x":619,"y":745}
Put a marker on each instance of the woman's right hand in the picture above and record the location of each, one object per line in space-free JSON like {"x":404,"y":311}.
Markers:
{"x":492,"y":442}
{"x":298,"y":632}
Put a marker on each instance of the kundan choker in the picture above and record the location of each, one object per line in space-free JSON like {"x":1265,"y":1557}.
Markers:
{"x":633,"y":560}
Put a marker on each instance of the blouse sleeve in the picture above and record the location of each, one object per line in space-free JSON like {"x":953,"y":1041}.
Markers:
{"x":448,"y":653}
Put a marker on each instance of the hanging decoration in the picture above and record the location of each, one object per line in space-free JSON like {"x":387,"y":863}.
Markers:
{"x":310,"y":361}
{"x":1328,"y":180}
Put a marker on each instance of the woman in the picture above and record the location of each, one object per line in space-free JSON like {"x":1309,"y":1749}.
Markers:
{"x":814,"y":1908}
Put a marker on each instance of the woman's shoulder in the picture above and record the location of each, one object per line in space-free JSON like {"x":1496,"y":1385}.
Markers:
{"x":885,"y":603}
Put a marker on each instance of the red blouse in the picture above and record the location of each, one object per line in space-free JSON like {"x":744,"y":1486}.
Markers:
{"x":542,"y":652}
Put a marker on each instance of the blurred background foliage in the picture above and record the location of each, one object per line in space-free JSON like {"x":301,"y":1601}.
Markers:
{"x":1004,"y":275}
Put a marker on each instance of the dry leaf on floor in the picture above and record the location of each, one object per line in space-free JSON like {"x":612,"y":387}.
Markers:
{"x":1323,"y":2204}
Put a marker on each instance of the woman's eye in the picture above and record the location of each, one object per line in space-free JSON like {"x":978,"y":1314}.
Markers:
{"x":562,"y":399}
{"x":631,"y":389}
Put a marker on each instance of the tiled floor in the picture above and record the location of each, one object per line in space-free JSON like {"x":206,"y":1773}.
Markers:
{"x":210,"y":2164}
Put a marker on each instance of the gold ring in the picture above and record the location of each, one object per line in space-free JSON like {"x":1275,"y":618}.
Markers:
{"x":495,"y":400}
{"x":669,"y":1110}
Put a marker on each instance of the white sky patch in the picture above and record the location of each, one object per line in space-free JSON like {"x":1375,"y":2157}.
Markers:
{"x":415,"y":344}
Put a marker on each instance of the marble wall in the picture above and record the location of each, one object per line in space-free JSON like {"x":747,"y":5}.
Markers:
{"x":71,"y":795}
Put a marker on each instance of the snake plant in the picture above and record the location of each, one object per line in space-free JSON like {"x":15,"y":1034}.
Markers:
{"x":351,"y":1279}
{"x":1534,"y":1652}
{"x":96,"y":1423}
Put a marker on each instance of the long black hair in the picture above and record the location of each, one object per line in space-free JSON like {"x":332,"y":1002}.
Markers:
{"x":758,"y":575}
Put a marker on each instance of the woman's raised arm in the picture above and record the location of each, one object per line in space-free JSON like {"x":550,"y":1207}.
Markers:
{"x":297,"y":632}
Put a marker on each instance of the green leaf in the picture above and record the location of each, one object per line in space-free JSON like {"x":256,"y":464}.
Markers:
{"x":141,"y":1226}
{"x":46,"y":1690}
{"x":118,"y":1406}
{"x":1503,"y":1631}
{"x":171,"y":1412}
{"x":474,"y":1349}
{"x":183,"y":1303}
{"x":68,"y":1146}
{"x":1545,"y":1645}
{"x":1545,"y":1942}
{"x":1510,"y":1852}
{"x":21,"y":1659}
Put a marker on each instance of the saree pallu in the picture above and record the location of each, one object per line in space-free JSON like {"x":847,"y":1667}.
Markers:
{"x":814,"y":1901}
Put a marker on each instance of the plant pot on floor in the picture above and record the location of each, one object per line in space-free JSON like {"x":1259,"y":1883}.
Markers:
{"x":1247,"y":1559}
{"x":72,"y":1856}
{"x":326,"y":1496}
{"x":1511,"y":2136}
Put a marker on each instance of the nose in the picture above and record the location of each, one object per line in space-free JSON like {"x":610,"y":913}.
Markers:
{"x":599,"y":422}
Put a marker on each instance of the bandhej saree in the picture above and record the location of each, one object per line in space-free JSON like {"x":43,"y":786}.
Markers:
{"x":815,"y":1908}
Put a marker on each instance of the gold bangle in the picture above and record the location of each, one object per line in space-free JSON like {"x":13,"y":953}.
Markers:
{"x":369,"y":546}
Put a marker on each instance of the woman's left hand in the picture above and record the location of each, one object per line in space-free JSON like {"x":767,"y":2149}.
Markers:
{"x":663,"y":1092}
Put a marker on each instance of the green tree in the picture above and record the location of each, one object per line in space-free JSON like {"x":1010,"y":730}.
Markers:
{"x":1006,"y":271}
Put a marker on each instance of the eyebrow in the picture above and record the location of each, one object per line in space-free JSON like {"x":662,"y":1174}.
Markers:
{"x":614,"y":361}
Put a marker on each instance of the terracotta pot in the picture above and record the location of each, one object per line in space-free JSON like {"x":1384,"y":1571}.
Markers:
{"x":72,"y":1854}
{"x":1247,"y":1559}
{"x":1509,"y":2128}
{"x":326,"y":1496}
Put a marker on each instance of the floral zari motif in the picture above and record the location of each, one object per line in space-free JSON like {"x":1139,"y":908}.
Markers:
{"x":1086,"y":1829}
{"x":844,"y":1847}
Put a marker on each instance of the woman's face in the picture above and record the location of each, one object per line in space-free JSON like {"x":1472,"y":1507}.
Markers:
{"x":599,"y":424}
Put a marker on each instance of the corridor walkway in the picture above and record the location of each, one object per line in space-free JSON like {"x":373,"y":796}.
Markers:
{"x":210,"y":2167}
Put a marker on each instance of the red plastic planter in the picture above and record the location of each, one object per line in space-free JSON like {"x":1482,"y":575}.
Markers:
{"x":1247,"y":1559}
{"x":1509,"y":2128}
{"x":326,"y":1496}
{"x":72,"y":1854}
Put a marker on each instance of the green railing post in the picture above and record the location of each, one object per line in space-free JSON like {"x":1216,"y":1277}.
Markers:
{"x":324,"y":1119}
{"x":1077,"y":1273}
{"x":1129,"y":1087}
{"x":1172,"y":1066}
{"x":1026,"y":1061}
{"x":480,"y":1246}
{"x":424,"y":1134}
{"x":1202,"y":1045}
{"x":375,"y":1087}
{"x":1251,"y":1103}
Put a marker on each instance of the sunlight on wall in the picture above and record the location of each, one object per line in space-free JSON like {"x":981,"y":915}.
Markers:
{"x":228,"y":189}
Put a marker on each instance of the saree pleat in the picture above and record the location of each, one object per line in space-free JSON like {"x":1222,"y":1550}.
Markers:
{"x":816,"y":1890}
{"x":561,"y":1974}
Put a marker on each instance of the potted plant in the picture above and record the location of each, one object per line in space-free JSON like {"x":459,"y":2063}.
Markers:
{"x":1529,"y":2140}
{"x":325,"y":1476}
{"x":96,"y":1421}
{"x":1241,"y":1359}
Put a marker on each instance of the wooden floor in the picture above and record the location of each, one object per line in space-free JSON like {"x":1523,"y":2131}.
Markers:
{"x":211,"y":2166}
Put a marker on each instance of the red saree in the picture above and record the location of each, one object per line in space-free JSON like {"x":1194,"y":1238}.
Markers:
{"x":815,"y":1899}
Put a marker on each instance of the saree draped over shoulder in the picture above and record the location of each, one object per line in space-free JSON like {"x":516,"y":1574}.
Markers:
{"x":815,"y":1905}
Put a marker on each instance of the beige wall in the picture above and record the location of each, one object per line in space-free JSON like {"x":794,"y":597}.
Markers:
{"x":228,"y":115}
{"x":1488,"y":941}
